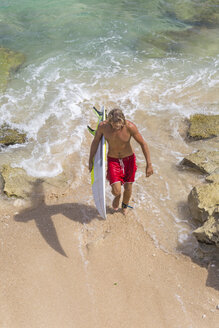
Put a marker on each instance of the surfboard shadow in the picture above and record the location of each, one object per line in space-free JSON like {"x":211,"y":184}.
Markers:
{"x":42,"y":214}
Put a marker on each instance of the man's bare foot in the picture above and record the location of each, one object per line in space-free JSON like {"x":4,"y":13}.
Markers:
{"x":115,"y":203}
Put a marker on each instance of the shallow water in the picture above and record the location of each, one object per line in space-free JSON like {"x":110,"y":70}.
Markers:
{"x":142,"y":56}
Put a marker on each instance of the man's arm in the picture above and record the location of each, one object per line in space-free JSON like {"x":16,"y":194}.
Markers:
{"x":94,"y":146}
{"x":138,"y":137}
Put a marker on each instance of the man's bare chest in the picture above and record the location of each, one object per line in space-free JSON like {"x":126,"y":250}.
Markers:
{"x":119,"y":137}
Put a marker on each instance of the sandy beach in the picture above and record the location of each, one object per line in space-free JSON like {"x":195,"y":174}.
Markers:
{"x":61,"y":265}
{"x":62,"y":268}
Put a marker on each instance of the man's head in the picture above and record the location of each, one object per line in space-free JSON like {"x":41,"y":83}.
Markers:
{"x":116,"y":118}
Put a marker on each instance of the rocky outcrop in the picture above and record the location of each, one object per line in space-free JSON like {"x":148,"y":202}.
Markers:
{"x":9,"y":61}
{"x":209,"y":232}
{"x":16,"y":182}
{"x":204,"y":161}
{"x":203,"y":126}
{"x":203,"y":202}
{"x":10,"y":136}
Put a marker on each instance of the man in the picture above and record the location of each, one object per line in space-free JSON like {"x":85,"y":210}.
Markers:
{"x":121,"y":158}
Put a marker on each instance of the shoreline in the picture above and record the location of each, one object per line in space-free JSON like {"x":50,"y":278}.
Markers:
{"x":63,"y":266}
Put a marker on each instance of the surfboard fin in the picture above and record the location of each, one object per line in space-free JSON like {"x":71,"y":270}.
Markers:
{"x":98,"y":113}
{"x":92,"y":131}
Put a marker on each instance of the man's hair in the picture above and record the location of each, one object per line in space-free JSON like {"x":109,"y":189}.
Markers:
{"x":116,"y":115}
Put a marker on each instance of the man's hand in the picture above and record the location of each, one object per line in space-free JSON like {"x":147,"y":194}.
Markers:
{"x":90,"y":165}
{"x":149,"y":170}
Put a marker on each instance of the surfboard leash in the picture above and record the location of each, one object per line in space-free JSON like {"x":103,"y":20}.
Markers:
{"x":126,"y":205}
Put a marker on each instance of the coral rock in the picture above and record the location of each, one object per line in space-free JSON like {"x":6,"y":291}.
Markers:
{"x":203,"y":126}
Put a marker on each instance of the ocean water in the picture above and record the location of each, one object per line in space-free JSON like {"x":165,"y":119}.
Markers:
{"x":157,"y":60}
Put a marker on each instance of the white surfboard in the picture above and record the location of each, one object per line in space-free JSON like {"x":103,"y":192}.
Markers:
{"x":98,"y":171}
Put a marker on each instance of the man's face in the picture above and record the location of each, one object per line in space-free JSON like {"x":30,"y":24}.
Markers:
{"x":117,"y":125}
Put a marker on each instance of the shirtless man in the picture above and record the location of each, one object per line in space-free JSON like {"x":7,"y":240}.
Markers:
{"x":120,"y":158}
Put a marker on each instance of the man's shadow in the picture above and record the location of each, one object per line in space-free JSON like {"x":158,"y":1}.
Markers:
{"x":42,"y":215}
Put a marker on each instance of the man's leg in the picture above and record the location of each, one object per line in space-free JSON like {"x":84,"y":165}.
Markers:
{"x":127,"y":195}
{"x":116,"y":191}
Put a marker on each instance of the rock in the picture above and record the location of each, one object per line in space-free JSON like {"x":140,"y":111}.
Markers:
{"x":16,"y":182}
{"x":9,"y":61}
{"x":204,"y":206}
{"x":204,"y":12}
{"x":209,"y":232}
{"x":204,"y":161}
{"x":213,"y":177}
{"x":203,"y":126}
{"x":203,"y":201}
{"x":10,"y":136}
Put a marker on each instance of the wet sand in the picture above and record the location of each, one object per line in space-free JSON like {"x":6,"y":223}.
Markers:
{"x":63,"y":266}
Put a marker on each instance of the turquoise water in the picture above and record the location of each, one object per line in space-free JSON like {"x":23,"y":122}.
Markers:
{"x":157,"y":60}
{"x":129,"y":30}
{"x":141,"y":55}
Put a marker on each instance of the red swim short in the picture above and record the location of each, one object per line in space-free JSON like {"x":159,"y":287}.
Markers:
{"x":121,"y":169}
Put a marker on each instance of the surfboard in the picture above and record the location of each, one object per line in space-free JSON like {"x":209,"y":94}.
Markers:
{"x":98,"y":170}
